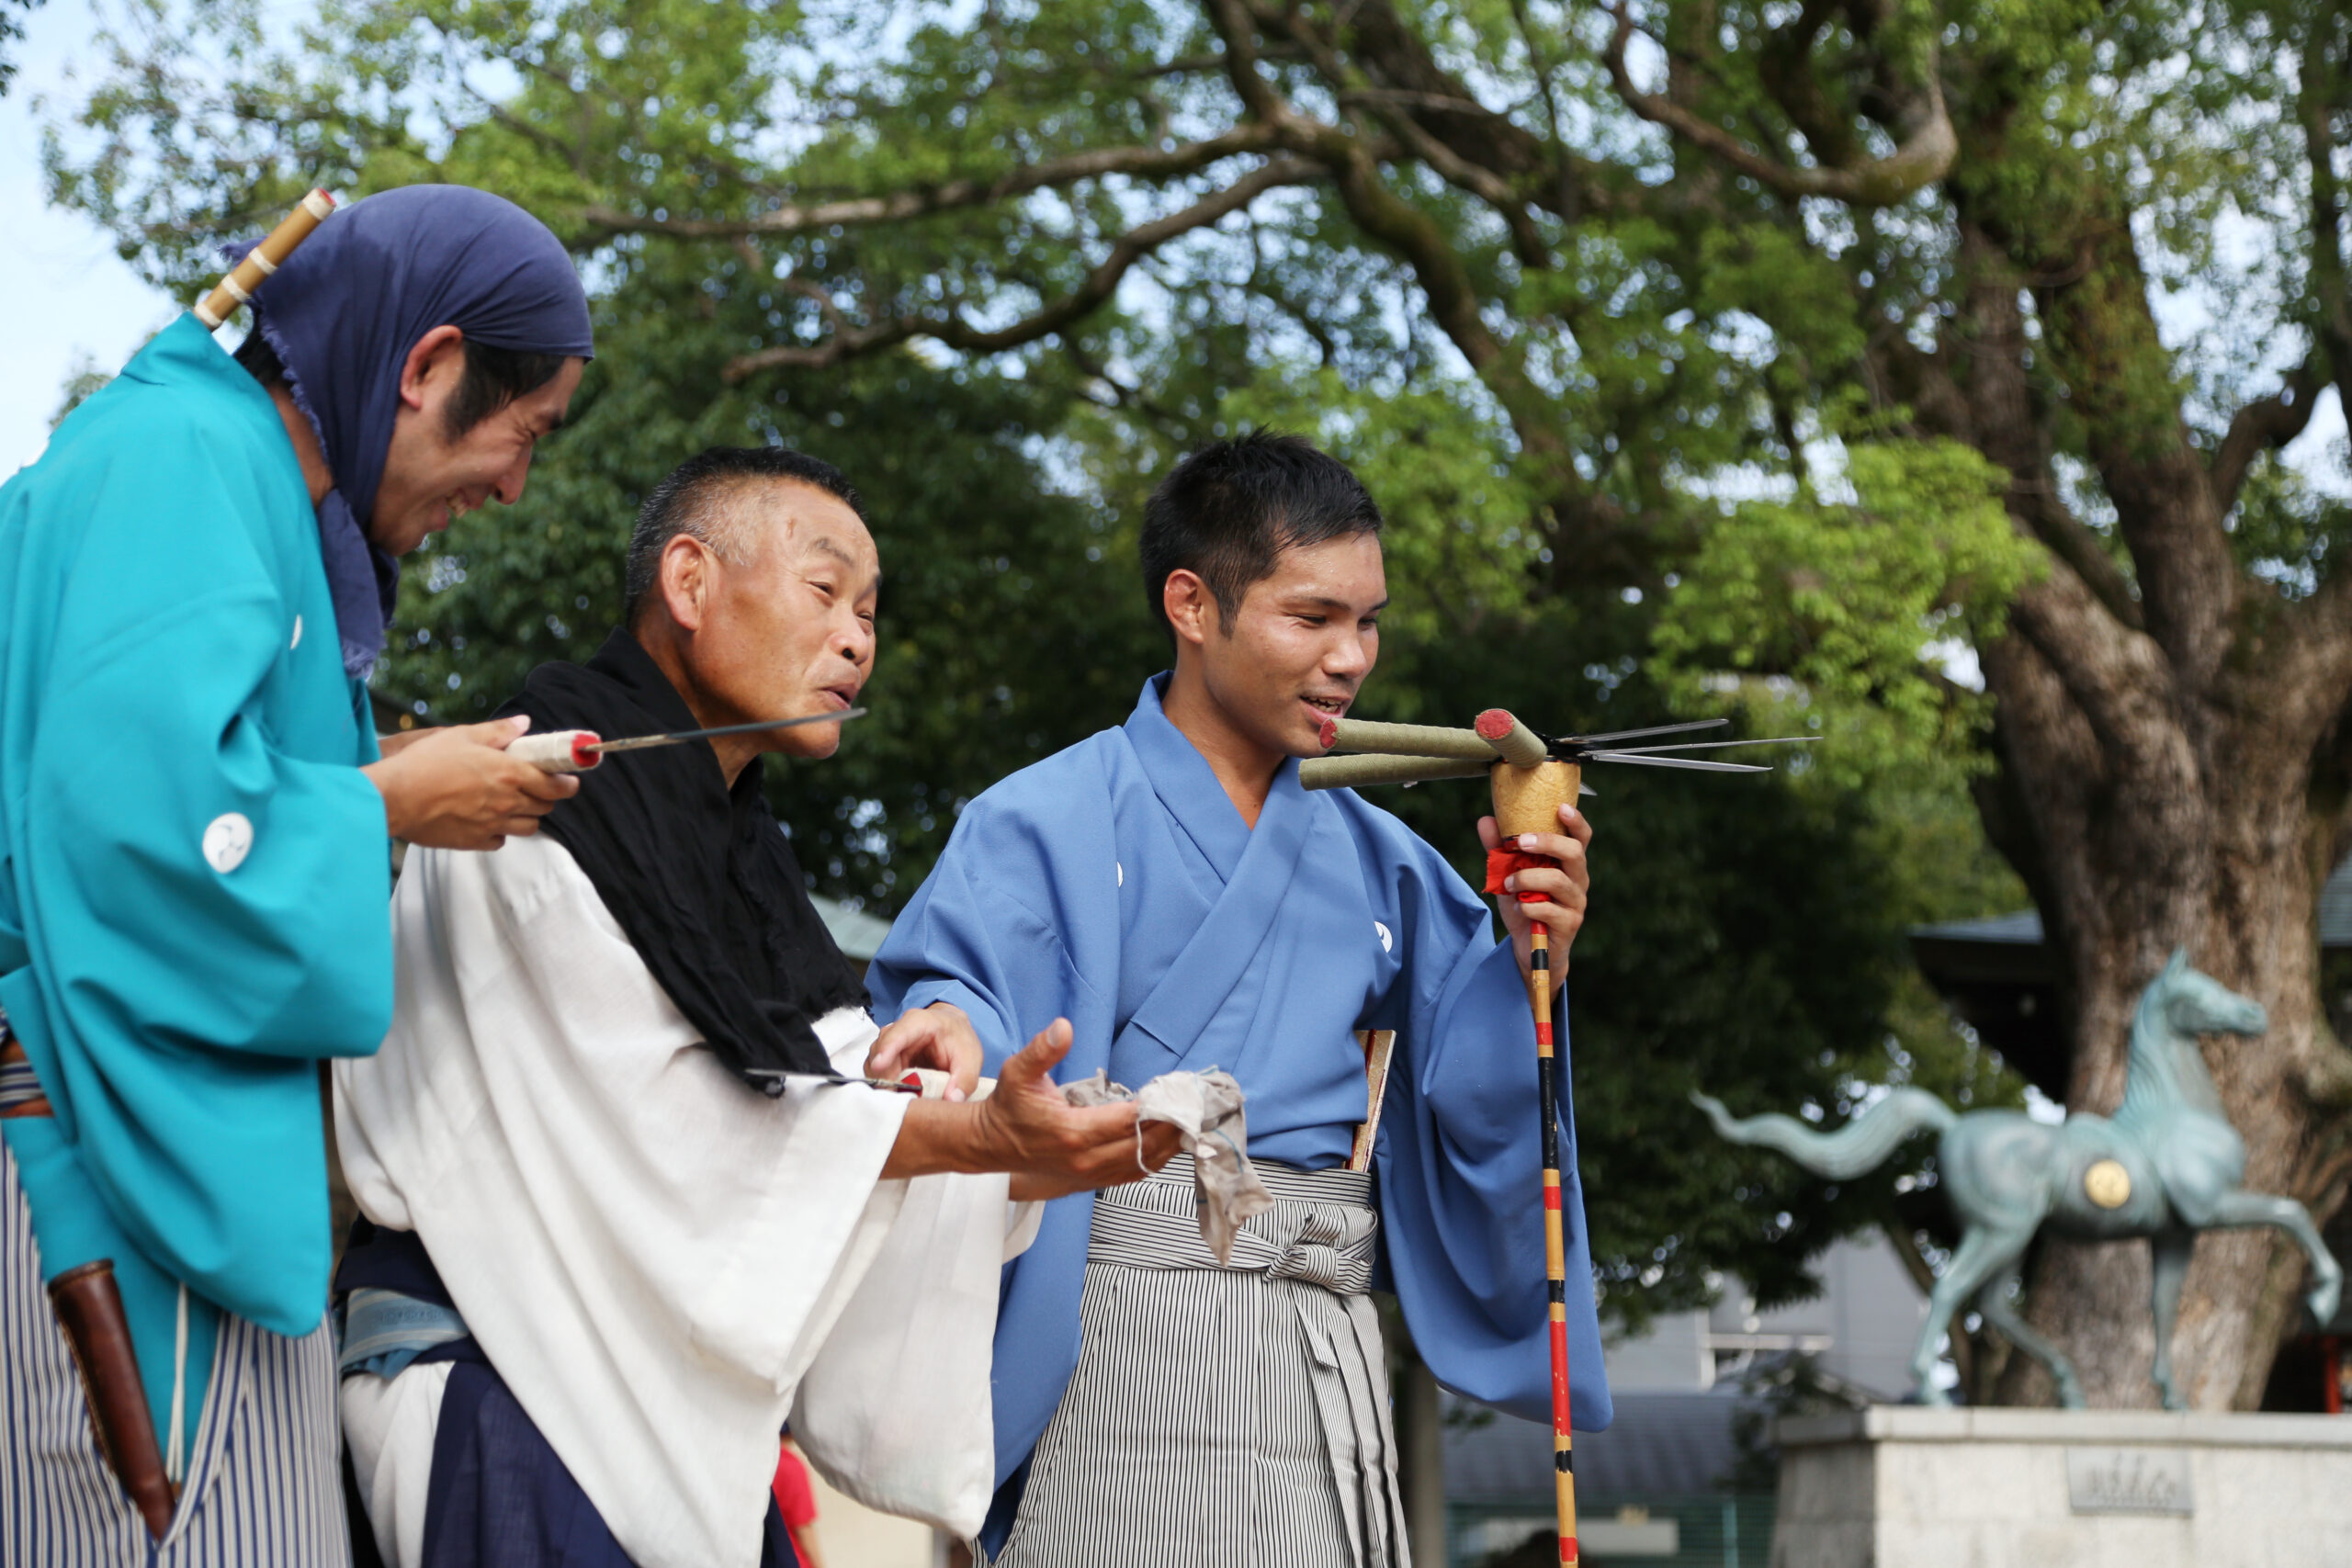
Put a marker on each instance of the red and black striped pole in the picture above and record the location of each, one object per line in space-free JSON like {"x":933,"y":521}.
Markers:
{"x":1528,"y":800}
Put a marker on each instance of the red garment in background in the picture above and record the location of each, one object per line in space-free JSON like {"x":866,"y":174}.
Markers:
{"x":794,"y":1499}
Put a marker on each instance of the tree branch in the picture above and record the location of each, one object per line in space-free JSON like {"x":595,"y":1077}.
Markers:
{"x":500,"y":115}
{"x":2264,"y":425}
{"x":1389,"y":62}
{"x":1925,"y":155}
{"x":2099,"y":336}
{"x":2033,"y":495}
{"x":1097,"y":287}
{"x":1138,"y":163}
{"x":1582,"y":513}
{"x":2117,"y":679}
{"x":2319,"y":99}
{"x":1784,"y":64}
{"x":1527,"y":242}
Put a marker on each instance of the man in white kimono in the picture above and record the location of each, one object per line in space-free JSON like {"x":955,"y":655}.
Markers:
{"x":631,"y":1205}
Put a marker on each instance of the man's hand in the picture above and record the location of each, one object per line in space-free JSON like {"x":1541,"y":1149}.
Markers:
{"x":938,"y":1036}
{"x":400,"y":740}
{"x":1053,"y":1148}
{"x":1562,"y":911}
{"x":457,"y":789}
{"x":1049,"y":1146}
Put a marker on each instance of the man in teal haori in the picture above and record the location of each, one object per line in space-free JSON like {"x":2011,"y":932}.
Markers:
{"x":195,"y":580}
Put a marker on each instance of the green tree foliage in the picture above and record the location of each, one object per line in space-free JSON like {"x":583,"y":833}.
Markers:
{"x":11,"y":29}
{"x":1844,"y":604}
{"x":1003,"y":264}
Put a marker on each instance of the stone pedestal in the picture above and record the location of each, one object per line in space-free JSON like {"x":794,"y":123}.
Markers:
{"x":1904,"y":1486}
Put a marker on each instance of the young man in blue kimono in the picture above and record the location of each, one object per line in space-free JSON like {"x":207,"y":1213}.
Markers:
{"x":1171,"y":889}
{"x":193,"y":866}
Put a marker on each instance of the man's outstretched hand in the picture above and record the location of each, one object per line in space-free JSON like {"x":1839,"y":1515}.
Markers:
{"x":1049,"y":1146}
{"x":1053,"y":1148}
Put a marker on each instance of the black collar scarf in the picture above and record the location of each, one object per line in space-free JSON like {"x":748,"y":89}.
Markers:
{"x":700,"y":877}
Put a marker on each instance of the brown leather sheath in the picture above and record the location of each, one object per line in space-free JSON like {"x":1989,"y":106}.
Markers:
{"x":89,"y":1308}
{"x":12,"y":1055}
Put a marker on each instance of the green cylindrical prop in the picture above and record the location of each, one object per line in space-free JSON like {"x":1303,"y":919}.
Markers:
{"x":1358,"y":772}
{"x":1513,"y":740}
{"x":1406,"y":740}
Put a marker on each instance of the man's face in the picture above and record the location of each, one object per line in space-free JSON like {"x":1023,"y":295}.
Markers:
{"x":432,"y":477}
{"x":788,"y":629}
{"x":1301,"y":643}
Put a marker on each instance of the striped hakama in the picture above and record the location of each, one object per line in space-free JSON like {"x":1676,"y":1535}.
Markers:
{"x":1222,"y":1417}
{"x":263,"y":1488}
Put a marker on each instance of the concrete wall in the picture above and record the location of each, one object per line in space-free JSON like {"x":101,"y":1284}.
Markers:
{"x":1912,"y":1487}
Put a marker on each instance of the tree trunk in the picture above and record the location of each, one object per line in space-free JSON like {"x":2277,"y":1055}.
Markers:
{"x":2238,"y":868}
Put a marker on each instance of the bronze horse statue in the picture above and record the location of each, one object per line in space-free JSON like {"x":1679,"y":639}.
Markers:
{"x":2166,"y":1166}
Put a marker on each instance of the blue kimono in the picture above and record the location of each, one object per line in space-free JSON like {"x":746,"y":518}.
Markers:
{"x":193,"y":897}
{"x":1116,"y":884}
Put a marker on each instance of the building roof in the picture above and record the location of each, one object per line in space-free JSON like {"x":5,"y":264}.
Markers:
{"x":858,"y":934}
{"x":1661,"y":1443}
{"x":2024,"y":927}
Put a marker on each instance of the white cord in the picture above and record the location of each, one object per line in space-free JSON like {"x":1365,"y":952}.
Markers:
{"x":175,"y":1451}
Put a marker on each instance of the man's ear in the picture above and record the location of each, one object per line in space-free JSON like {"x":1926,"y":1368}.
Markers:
{"x":439,"y":350}
{"x":685,"y":580}
{"x":1192,"y":608}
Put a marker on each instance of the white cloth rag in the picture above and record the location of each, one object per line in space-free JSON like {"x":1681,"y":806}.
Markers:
{"x":1206,"y":1108}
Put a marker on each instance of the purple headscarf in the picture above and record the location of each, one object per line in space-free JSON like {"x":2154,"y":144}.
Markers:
{"x":344,"y":311}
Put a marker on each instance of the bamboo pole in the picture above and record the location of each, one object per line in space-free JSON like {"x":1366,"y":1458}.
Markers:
{"x":237,"y":288}
{"x":1528,"y":800}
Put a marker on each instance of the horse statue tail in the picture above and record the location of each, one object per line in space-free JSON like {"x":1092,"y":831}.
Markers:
{"x":1859,"y":1146}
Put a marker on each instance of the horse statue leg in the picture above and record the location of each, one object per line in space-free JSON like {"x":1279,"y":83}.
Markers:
{"x":1994,"y":1303}
{"x":1983,"y":1254}
{"x":2168,"y":1255}
{"x":2237,"y":1209}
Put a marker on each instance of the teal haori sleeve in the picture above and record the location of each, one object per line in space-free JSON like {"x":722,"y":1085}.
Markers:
{"x":197,"y":867}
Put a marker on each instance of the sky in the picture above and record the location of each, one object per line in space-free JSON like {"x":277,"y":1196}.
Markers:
{"x":76,"y":302}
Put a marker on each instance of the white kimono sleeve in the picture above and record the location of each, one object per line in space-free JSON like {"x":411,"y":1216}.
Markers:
{"x":649,"y":1253}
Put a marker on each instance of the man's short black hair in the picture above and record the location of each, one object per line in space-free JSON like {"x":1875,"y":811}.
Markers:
{"x":493,"y":377}
{"x":1230,"y":509}
{"x":690,"y":501}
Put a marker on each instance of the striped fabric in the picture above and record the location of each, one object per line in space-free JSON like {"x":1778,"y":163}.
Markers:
{"x":1233,"y":1418}
{"x":263,"y":1489}
{"x":18,"y":1084}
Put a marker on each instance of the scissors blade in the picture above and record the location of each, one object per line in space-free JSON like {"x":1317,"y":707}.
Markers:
{"x":1637,"y":734}
{"x":646,"y":742}
{"x":1712,"y":745}
{"x":1693,"y":763}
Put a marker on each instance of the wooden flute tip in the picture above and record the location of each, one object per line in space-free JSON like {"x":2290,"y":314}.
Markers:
{"x":1495,"y":723}
{"x":1328,"y":733}
{"x":319,"y":202}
